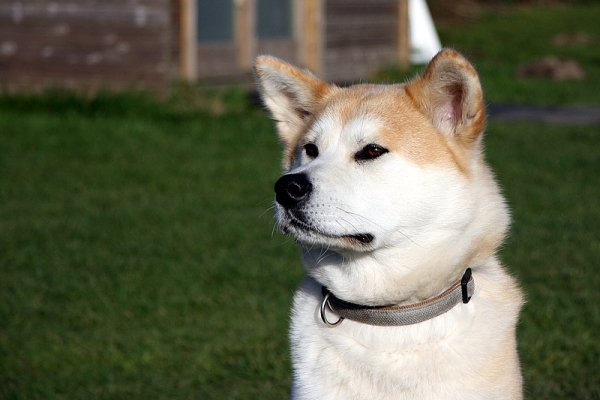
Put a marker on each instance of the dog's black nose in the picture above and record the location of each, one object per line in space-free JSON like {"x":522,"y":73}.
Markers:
{"x":292,"y":189}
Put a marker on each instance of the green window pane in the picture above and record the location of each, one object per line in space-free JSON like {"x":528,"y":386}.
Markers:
{"x":274,"y":19}
{"x":215,"y":21}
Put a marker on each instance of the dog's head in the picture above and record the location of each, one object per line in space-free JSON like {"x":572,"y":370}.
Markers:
{"x":384,"y":170}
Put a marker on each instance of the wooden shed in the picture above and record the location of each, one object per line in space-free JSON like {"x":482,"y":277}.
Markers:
{"x":91,"y":44}
{"x":85,"y":44}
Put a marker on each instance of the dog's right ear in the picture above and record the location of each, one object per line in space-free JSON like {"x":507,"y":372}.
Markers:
{"x":292,"y":95}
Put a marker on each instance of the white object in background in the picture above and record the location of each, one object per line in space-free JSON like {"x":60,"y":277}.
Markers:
{"x":424,"y":41}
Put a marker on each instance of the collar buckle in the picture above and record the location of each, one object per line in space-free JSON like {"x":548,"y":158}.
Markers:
{"x":463,"y":285}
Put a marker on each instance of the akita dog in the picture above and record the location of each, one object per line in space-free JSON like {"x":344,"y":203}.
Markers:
{"x":399,"y":218}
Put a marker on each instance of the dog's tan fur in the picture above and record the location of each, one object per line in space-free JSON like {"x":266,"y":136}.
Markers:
{"x":432,"y":209}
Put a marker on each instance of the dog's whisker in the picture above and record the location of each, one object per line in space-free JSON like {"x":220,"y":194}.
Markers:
{"x":355,"y":215}
{"x":264,"y":201}
{"x":322,"y":255}
{"x":374,"y":223}
{"x":266,"y":211}
{"x":343,"y":227}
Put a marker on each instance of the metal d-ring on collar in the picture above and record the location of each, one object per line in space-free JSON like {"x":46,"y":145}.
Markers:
{"x":394,"y":315}
{"x":325,"y":303}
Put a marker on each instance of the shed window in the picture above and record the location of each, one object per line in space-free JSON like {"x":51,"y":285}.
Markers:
{"x":274,"y":19}
{"x":215,"y":21}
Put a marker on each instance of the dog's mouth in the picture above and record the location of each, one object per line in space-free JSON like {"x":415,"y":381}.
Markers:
{"x":296,"y":226}
{"x":363,"y":238}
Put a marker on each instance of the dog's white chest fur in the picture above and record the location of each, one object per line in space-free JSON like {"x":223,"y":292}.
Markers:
{"x":388,"y":194}
{"x":463,"y":354}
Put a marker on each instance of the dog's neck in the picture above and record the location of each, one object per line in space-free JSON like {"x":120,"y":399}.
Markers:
{"x":387,"y":276}
{"x":397,"y":315}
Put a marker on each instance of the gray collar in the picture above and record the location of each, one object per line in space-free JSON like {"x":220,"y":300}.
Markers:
{"x":395,"y":315}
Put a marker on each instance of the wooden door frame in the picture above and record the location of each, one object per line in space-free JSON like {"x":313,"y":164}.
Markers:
{"x":188,"y":40}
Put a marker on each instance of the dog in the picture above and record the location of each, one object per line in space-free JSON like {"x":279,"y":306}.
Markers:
{"x":399,"y":218}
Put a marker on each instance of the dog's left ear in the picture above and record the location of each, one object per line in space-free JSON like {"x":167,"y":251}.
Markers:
{"x":450,"y":94}
{"x":291,"y":94}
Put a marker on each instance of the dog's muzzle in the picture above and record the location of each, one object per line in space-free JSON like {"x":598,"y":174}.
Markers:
{"x":292,"y":192}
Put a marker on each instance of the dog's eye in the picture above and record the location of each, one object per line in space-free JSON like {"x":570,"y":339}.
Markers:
{"x":370,"y":152}
{"x":311,"y":150}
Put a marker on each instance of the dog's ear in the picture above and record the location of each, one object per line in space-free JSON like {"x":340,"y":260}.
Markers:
{"x":450,"y":94}
{"x":292,"y":95}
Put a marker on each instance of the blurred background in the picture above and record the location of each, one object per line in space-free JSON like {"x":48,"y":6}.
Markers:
{"x":149,"y":43}
{"x":89,"y":44}
{"x":138,"y":252}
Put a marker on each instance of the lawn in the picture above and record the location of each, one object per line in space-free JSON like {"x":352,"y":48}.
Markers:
{"x":550,"y":177}
{"x":138,"y":257}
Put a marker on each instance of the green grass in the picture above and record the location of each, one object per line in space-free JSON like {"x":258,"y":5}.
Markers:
{"x":138,"y":259}
{"x":498,"y":43}
{"x":124,"y":242}
{"x":550,"y":177}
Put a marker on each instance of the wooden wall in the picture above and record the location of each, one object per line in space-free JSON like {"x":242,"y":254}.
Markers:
{"x":85,"y":44}
{"x":93,"y":44}
{"x":175,"y":37}
{"x":359,"y":37}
